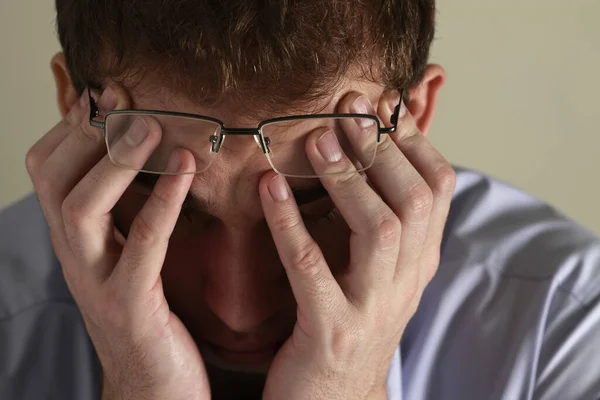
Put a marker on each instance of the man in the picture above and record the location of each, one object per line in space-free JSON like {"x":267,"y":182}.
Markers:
{"x":291,"y":235}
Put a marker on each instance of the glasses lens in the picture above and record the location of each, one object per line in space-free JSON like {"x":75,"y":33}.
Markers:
{"x":287,"y":141}
{"x":168,"y":133}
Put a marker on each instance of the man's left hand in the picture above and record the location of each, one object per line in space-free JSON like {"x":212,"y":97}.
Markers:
{"x":348,"y":329}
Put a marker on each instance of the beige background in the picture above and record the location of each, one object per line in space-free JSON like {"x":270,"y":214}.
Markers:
{"x":521,"y":102}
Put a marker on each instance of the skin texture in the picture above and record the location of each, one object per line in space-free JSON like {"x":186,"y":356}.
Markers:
{"x":246,"y":269}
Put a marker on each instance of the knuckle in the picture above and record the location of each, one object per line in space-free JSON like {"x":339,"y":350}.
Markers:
{"x":32,"y":162}
{"x":386,"y":144}
{"x":345,"y":341}
{"x":286,"y":222}
{"x":144,"y":232}
{"x":444,"y":181}
{"x":350,"y":180}
{"x":387,"y":233}
{"x":160,"y":201}
{"x":71,"y":211}
{"x":87,"y":135}
{"x":309,"y":259}
{"x":350,"y":185}
{"x":73,"y":117}
{"x":419,"y":201}
{"x":431,"y":264}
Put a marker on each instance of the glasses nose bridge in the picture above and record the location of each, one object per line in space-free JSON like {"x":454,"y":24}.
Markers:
{"x":254,"y":132}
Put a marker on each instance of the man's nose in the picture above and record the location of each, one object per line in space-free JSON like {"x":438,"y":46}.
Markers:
{"x":244,"y":281}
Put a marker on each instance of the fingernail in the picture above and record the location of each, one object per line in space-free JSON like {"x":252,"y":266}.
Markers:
{"x":329,"y":147}
{"x":362,"y":105}
{"x":138,"y":131}
{"x":174,"y":164}
{"x":278,"y":188}
{"x":108,"y":100}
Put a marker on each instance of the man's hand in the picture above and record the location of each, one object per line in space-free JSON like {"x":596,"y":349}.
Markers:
{"x":144,"y":349}
{"x":347,"y":330}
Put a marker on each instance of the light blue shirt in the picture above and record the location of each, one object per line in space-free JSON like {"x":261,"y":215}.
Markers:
{"x":512,"y":313}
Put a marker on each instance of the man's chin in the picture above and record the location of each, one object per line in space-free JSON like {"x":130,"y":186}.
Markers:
{"x":214,"y":360}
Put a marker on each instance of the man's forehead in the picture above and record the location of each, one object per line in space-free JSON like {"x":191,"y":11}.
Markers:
{"x":232,"y":113}
{"x":148,"y":95}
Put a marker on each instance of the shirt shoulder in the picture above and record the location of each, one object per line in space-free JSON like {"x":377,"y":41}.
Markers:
{"x":513,"y":235}
{"x":514,"y":306}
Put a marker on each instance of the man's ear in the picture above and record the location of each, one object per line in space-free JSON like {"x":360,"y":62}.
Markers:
{"x":423,"y":97}
{"x":66,"y":95}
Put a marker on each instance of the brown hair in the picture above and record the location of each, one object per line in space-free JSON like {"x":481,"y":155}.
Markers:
{"x":266,"y":52}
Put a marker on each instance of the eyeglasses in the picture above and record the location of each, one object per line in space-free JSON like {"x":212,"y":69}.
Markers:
{"x":282,"y":140}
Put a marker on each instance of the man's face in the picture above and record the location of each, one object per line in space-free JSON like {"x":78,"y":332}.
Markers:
{"x":222,"y":275}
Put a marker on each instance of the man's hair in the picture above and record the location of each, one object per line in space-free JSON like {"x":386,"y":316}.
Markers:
{"x":263,"y":52}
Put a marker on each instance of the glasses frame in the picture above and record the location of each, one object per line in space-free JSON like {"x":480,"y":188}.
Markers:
{"x":263,"y":143}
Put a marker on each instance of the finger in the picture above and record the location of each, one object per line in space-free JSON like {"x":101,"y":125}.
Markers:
{"x":87,"y":209}
{"x":441,"y":178}
{"x":375,"y":228}
{"x":41,"y":150}
{"x":39,"y":153}
{"x":320,"y":299}
{"x":72,"y":147}
{"x":77,"y":146}
{"x":81,"y":148}
{"x":140,"y":264}
{"x":42,"y":172}
{"x":400,"y":186}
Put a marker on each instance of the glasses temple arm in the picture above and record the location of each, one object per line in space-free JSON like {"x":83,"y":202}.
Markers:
{"x":94,"y":112}
{"x":393,"y":118}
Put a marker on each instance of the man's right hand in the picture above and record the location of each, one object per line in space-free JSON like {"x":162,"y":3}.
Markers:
{"x":145,"y":350}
